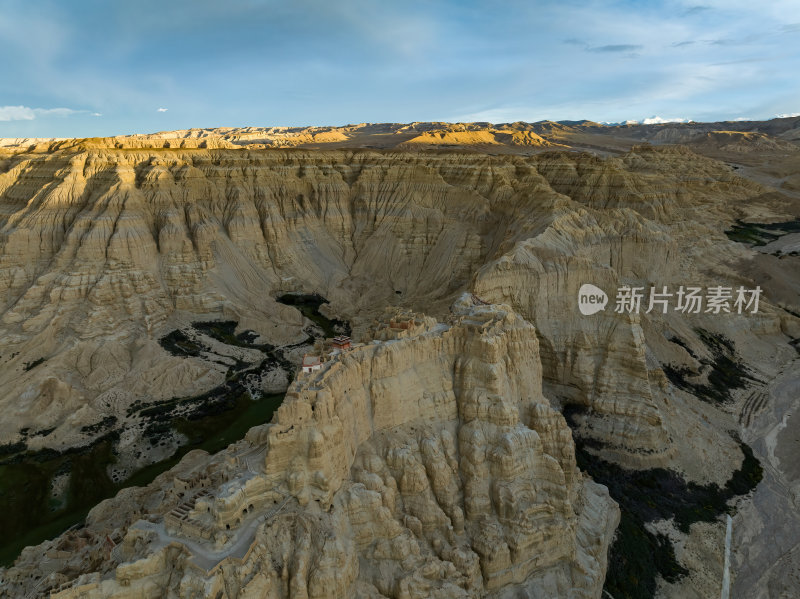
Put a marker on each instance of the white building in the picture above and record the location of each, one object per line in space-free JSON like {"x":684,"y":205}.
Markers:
{"x":311,"y":363}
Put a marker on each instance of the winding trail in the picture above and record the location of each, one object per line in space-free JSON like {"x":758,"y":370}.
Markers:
{"x":202,"y":555}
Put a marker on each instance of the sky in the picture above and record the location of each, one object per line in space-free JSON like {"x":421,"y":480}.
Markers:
{"x":97,"y":67}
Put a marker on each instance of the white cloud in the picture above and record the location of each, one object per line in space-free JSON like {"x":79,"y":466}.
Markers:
{"x":25,"y":113}
{"x":787,"y":115}
{"x":16,"y":113}
{"x":56,"y":111}
{"x":657,"y":120}
{"x":163,"y":109}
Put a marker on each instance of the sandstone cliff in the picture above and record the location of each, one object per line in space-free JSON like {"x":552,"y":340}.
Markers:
{"x":444,"y":459}
{"x":426,"y":466}
{"x":103,"y":250}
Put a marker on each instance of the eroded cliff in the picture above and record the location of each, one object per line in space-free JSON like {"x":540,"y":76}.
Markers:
{"x":438,"y":465}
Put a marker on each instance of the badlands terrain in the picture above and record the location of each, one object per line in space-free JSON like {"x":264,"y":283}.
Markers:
{"x":479,"y":438}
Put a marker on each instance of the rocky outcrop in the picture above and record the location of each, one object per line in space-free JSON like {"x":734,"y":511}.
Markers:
{"x":103,"y":250}
{"x":436,"y":462}
{"x":468,"y":137}
{"x":426,"y":466}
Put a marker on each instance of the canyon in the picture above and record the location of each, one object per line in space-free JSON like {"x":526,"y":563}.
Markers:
{"x":481,"y":437}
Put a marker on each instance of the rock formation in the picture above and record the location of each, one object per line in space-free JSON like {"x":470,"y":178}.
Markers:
{"x":424,"y":466}
{"x":431,"y":460}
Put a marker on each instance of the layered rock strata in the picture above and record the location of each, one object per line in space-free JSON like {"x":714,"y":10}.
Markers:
{"x":103,"y":250}
{"x":424,"y":466}
{"x":433,"y":463}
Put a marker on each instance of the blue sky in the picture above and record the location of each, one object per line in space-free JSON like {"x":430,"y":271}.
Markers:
{"x":99,"y":67}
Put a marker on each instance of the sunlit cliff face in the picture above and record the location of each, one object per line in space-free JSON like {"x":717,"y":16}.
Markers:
{"x":103,"y":250}
{"x":106,"y":249}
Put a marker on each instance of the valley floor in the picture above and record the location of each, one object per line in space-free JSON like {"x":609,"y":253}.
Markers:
{"x":766,"y":529}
